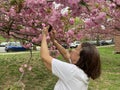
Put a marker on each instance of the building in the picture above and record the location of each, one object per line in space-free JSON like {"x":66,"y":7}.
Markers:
{"x":117,"y":43}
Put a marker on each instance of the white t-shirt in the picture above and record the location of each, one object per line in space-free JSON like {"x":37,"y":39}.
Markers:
{"x":70,"y":76}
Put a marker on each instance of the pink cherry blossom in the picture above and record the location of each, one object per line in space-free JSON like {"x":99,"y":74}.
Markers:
{"x":29,"y":68}
{"x":100,"y":17}
{"x":112,"y":5}
{"x":21,"y":69}
{"x":89,"y":23}
{"x":34,"y":40}
{"x":71,"y":32}
{"x":12,"y":11}
{"x":25,"y":65}
{"x":71,"y":21}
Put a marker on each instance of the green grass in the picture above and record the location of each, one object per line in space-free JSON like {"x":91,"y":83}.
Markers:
{"x":37,"y":79}
{"x":1,"y":39}
{"x":42,"y":79}
{"x":110,"y":77}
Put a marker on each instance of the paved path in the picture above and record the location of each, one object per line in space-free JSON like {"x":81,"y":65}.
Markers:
{"x":105,"y":46}
{"x":2,"y":49}
{"x":8,"y":53}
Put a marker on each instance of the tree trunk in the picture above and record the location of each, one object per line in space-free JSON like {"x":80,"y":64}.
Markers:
{"x":34,"y":47}
{"x":117,"y":43}
{"x":98,"y":40}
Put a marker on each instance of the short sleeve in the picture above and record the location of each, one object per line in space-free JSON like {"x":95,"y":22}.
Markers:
{"x":62,"y":70}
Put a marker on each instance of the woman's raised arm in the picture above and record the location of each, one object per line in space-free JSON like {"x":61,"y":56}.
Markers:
{"x":61,"y":49}
{"x":44,"y":52}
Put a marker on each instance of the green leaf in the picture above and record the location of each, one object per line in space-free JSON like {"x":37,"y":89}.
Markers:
{"x":83,"y":3}
{"x":13,"y":2}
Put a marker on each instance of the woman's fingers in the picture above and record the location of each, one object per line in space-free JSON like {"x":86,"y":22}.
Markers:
{"x":54,"y":32}
{"x":52,"y":36}
{"x":45,"y":30}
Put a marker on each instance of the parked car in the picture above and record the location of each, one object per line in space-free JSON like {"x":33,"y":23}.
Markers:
{"x":65,"y":46}
{"x":111,"y":41}
{"x":102,"y":42}
{"x":3,"y":44}
{"x":92,"y":42}
{"x":106,"y":42}
{"x":14,"y":46}
{"x":74,"y":44}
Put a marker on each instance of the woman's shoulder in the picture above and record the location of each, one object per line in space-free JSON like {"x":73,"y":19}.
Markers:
{"x":80,"y":73}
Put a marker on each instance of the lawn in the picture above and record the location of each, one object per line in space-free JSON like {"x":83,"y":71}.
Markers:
{"x":42,"y":79}
{"x":2,"y":39}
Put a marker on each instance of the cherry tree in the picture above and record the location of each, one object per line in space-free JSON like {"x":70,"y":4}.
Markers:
{"x":24,"y":19}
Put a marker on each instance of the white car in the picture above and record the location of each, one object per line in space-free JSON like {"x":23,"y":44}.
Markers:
{"x":74,"y":44}
{"x":3,"y":44}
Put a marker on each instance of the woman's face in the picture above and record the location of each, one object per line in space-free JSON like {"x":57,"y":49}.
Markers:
{"x":75,"y":54}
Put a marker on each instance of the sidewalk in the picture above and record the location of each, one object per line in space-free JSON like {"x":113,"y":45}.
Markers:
{"x":105,"y":46}
{"x":10,"y":53}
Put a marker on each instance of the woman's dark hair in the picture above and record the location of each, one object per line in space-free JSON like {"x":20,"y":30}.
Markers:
{"x":89,"y":60}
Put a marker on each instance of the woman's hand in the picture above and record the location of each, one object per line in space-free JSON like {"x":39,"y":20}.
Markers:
{"x":52,"y":35}
{"x":45,"y":30}
{"x":61,"y":49}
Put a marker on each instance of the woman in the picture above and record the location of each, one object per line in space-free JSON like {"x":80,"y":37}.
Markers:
{"x":84,"y":64}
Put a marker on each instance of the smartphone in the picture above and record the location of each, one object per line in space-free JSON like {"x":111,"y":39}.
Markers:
{"x":50,"y":28}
